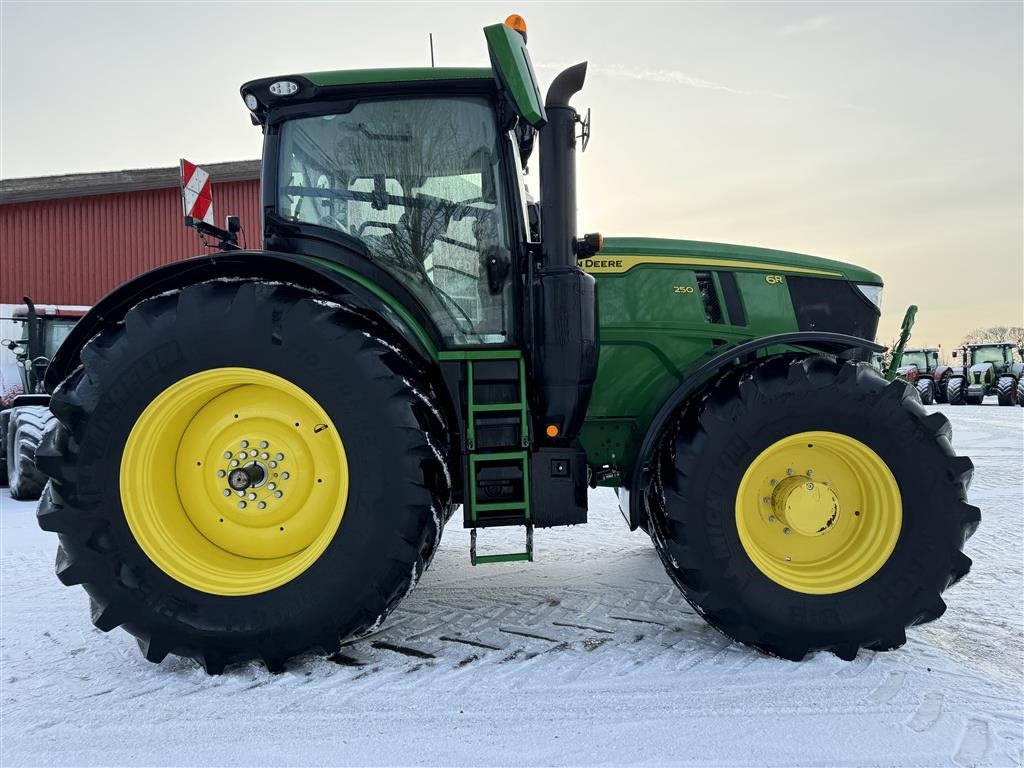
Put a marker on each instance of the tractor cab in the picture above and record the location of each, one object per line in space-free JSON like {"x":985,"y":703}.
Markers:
{"x":412,"y":180}
{"x":44,"y":329}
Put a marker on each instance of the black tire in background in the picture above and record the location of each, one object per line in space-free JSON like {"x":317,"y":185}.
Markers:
{"x":396,"y":446}
{"x":1006,"y":389}
{"x":691,"y":504}
{"x":940,"y":387}
{"x":5,"y":420}
{"x":926,"y":389}
{"x":956,"y":391}
{"x":1020,"y":391}
{"x":25,"y":430}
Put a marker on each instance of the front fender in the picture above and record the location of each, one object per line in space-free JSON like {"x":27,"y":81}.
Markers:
{"x":632,"y":494}
{"x":234,"y":265}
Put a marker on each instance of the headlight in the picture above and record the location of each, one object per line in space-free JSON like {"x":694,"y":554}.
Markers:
{"x":872,"y":293}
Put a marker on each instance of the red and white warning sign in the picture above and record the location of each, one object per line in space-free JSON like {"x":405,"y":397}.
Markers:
{"x":196,"y":192}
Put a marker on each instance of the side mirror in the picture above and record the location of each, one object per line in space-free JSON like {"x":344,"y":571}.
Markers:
{"x":497,"y":264}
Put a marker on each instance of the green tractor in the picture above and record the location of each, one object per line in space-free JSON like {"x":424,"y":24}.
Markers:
{"x":258,"y":450}
{"x":24,"y":415}
{"x":986,"y":369}
{"x":921,"y":367}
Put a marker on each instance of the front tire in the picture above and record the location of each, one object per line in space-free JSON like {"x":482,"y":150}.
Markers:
{"x":25,"y":430}
{"x":956,"y":391}
{"x":145,"y":462}
{"x":926,"y":389}
{"x":1006,"y":389}
{"x":844,"y":558}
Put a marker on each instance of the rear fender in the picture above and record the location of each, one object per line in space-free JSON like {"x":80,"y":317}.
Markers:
{"x":631,"y":495}
{"x":234,"y":265}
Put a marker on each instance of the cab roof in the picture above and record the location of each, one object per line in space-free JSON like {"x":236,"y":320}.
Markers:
{"x":397,"y":75}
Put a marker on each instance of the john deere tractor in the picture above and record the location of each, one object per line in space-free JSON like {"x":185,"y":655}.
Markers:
{"x":24,"y":415}
{"x":921,"y":367}
{"x":258,"y":450}
{"x":986,"y":369}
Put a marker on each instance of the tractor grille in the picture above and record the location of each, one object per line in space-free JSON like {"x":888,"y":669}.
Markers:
{"x":834,"y":306}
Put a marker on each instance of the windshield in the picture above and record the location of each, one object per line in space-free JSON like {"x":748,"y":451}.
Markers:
{"x":56,"y":332}
{"x":418,"y":181}
{"x":916,"y":357}
{"x":987,"y":355}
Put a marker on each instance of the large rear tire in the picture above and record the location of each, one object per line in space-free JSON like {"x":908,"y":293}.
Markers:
{"x":148,"y":454}
{"x":1020,"y":391}
{"x":810,"y":505}
{"x":25,"y":430}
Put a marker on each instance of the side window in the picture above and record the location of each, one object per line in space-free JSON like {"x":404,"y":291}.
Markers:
{"x":419,"y":182}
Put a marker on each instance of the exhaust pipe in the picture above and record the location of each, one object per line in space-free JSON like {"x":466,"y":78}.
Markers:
{"x":558,"y":169}
{"x":565,"y":349}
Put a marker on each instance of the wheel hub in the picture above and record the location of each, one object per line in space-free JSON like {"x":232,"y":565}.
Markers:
{"x":806,"y":507}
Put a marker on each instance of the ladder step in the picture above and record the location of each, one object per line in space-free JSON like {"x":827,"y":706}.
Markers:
{"x":506,"y":557}
{"x":500,"y":506}
{"x":496,"y":407}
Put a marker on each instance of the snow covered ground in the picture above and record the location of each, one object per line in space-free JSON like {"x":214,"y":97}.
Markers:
{"x":587,"y":656}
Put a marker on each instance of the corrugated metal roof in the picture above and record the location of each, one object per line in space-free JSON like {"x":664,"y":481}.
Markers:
{"x":111,"y":182}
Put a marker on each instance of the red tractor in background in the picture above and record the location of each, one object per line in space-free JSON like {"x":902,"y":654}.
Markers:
{"x":922,"y":368}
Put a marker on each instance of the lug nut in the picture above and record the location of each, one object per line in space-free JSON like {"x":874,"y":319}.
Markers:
{"x":771,"y":518}
{"x":810,"y":486}
{"x":766,"y":500}
{"x":273,"y":464}
{"x":789,"y":472}
{"x":227,"y":454}
{"x":265,"y":456}
{"x":227,"y":491}
{"x":271,"y":486}
{"x":810,"y":473}
{"x":221,"y":473}
{"x":789,"y":559}
{"x":252,"y":496}
{"x":240,"y":493}
{"x":245,"y":443}
{"x":262,"y":505}
{"x":234,"y":462}
{"x":278,"y":494}
{"x":279,"y":457}
{"x":264,"y":443}
{"x":284,"y":475}
{"x":774,"y":483}
{"x":241,"y":505}
{"x":786,"y":531}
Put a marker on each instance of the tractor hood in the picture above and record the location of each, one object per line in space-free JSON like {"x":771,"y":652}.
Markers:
{"x":620,"y":254}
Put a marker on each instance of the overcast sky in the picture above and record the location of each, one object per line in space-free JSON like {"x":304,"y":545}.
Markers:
{"x":886,"y":134}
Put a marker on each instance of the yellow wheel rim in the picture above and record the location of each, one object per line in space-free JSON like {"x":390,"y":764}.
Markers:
{"x":818,"y":512}
{"x":234,"y":481}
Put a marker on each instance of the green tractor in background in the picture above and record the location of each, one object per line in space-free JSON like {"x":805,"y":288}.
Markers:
{"x":987,"y":369}
{"x":24,"y":415}
{"x":257,"y":451}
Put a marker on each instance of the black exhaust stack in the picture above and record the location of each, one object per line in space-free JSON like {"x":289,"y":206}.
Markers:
{"x":565,"y":345}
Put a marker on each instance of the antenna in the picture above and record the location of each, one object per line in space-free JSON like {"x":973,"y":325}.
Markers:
{"x":431,"y":35}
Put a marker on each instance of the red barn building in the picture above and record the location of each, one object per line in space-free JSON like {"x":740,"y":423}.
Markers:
{"x":71,"y":239}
